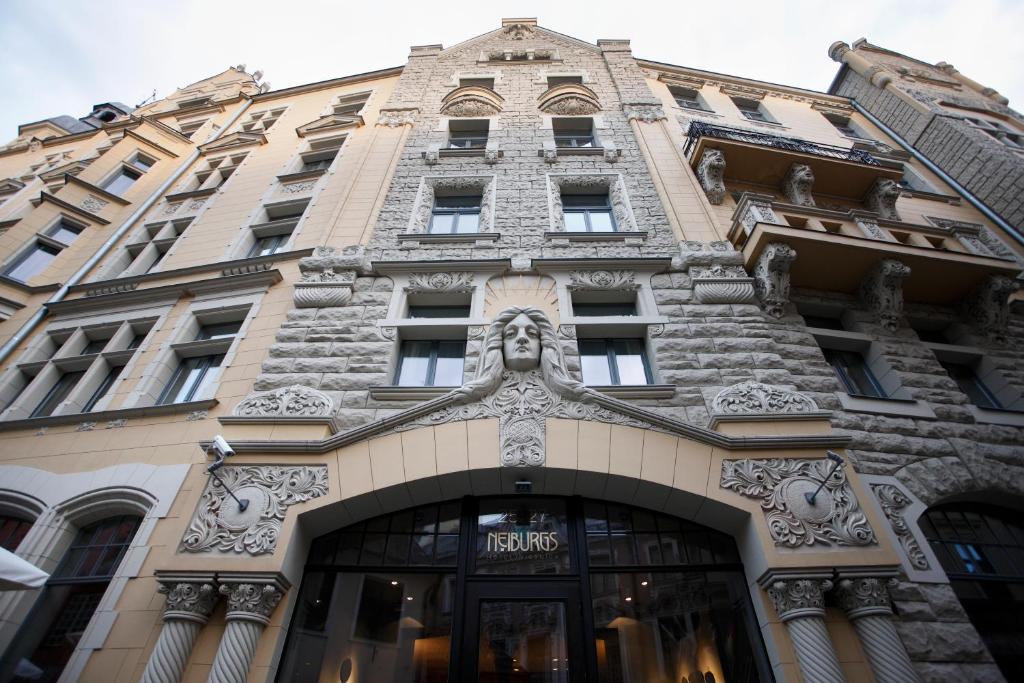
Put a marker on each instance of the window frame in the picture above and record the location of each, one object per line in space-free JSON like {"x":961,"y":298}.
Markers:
{"x":587,"y":210}
{"x":431,"y":373}
{"x":592,"y":140}
{"x":457,"y":212}
{"x":611,"y":356}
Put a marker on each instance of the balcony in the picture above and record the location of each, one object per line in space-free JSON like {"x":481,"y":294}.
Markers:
{"x":836,"y":249}
{"x":764,"y":159}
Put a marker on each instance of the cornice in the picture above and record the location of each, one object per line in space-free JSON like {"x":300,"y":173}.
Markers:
{"x":331,"y":83}
{"x":386,"y":267}
{"x":146,"y":141}
{"x":655,"y":263}
{"x":177,"y":196}
{"x":106,"y":415}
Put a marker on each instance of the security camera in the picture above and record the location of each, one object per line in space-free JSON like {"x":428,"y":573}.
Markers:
{"x":221,"y":448}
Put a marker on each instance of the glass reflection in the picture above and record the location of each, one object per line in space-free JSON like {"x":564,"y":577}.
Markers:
{"x":514,"y":537}
{"x":522,"y":641}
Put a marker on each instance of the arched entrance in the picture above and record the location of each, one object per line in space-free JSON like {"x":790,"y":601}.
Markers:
{"x":524,"y":588}
{"x":981,"y":549}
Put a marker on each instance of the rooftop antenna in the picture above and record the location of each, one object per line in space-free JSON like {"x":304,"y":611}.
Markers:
{"x":147,"y":100}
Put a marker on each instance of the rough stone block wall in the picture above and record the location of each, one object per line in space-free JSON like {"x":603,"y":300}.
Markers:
{"x":894,"y":111}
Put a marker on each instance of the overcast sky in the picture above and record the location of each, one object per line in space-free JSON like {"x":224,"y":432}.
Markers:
{"x":61,"y":57}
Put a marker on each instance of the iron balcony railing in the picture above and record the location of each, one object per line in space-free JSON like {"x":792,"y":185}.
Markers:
{"x":699,"y":129}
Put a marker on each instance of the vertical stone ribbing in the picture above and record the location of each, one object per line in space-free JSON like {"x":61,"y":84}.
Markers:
{"x":250,"y":604}
{"x":189,"y":604}
{"x":866,"y":602}
{"x":800,"y":604}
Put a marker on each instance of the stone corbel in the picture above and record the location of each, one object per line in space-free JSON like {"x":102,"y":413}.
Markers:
{"x":881,"y":291}
{"x":647,"y":113}
{"x":252,"y":598}
{"x":611,"y":152}
{"x":753,"y":209}
{"x":328,"y":277}
{"x":720,"y":284}
{"x":988,"y":307}
{"x":881,"y":198}
{"x":771,"y":277}
{"x":491,"y":152}
{"x":432,"y":155}
{"x":798,"y":185}
{"x":549,"y":152}
{"x":711,"y":175}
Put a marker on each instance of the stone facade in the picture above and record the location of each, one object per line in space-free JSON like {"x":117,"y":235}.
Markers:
{"x":322,"y":436}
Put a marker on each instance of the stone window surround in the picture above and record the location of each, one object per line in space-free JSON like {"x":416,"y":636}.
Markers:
{"x":40,"y":351}
{"x":43,"y":237}
{"x":59,"y":504}
{"x":328,"y":108}
{"x":125,"y":163}
{"x":259,"y":225}
{"x":899,"y":401}
{"x":543,"y":74}
{"x":618,"y":198}
{"x":419,"y":220}
{"x":123,"y":264}
{"x":294,"y":162}
{"x":457,"y":76}
{"x":991,"y":376}
{"x":282,"y":111}
{"x":216,"y":306}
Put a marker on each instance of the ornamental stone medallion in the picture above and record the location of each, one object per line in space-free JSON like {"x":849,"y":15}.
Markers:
{"x":218,"y":524}
{"x":781,"y":485}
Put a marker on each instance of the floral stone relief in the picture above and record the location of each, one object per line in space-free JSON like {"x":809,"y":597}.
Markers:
{"x":293,"y":401}
{"x":835,"y":517}
{"x":754,"y":398}
{"x":219,"y":525}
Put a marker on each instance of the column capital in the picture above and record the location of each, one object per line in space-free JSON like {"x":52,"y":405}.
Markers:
{"x":798,"y":594}
{"x":190,"y":596}
{"x":863,"y":596}
{"x":252,"y":596}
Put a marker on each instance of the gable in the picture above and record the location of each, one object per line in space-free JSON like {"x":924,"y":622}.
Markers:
{"x":234,"y":140}
{"x":519,"y":38}
{"x":329,"y":122}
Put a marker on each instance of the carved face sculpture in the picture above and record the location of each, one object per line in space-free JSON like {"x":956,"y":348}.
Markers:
{"x":521,"y":343}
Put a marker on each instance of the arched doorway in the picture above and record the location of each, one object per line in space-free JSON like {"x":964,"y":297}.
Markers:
{"x":524,"y":588}
{"x":981,"y":549}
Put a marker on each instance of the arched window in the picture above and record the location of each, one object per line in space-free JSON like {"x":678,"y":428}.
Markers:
{"x":981,"y":548}
{"x":51,"y":632}
{"x":522,"y":589}
{"x":12,"y":531}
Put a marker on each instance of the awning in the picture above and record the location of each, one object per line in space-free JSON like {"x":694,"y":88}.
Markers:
{"x":16,"y":574}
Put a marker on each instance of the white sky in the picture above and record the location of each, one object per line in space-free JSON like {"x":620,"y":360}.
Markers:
{"x":62,"y":56}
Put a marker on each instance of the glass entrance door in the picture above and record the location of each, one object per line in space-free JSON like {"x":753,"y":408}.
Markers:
{"x":523,"y":632}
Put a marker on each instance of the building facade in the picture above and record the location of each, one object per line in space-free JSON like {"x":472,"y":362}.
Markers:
{"x":526,"y":360}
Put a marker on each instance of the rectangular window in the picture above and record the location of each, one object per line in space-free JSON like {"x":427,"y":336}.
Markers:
{"x":751,"y":110}
{"x":564,"y":80}
{"x":614,"y":362}
{"x":124,"y":179}
{"x":271,"y":244}
{"x":32,"y":262}
{"x":57,"y":393}
{"x":350,"y":105}
{"x":573,"y":132}
{"x":219,"y":330}
{"x":452,"y":215}
{"x":94,"y":346}
{"x":142,"y":162}
{"x":603,"y":309}
{"x":969,"y":382}
{"x":687,"y":98}
{"x":853,"y":373}
{"x":845,"y":127}
{"x":828,"y":322}
{"x":468,"y":134}
{"x":438,"y":311}
{"x":477,"y":82}
{"x":588,"y":213}
{"x":321,"y":154}
{"x":423,"y":363}
{"x":191,"y":377}
{"x":103,"y":388}
{"x":65,"y":232}
{"x":189,"y":128}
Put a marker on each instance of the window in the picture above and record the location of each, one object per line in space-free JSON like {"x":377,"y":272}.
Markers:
{"x":219,"y":330}
{"x":687,"y":98}
{"x":12,"y":531}
{"x":564,"y":80}
{"x":588,"y":213}
{"x":321,"y":154}
{"x":999,"y":131}
{"x":32,"y":262}
{"x":350,"y":105}
{"x":273,"y":235}
{"x":193,"y":102}
{"x":200,"y":361}
{"x":121,"y":181}
{"x":464,"y":134}
{"x":751,"y":110}
{"x":575,"y":132}
{"x":217,"y":172}
{"x":191,"y":378}
{"x":853,"y":373}
{"x":440,"y":311}
{"x":271,"y":244}
{"x":94,"y":346}
{"x":845,"y":127}
{"x":967,"y":379}
{"x":147,"y":248}
{"x":614,"y":362}
{"x":188,"y":128}
{"x":452,"y":215}
{"x":46,"y":641}
{"x":103,"y":388}
{"x":588,"y":309}
{"x":423,"y":363}
{"x":57,"y":393}
{"x":913,"y":181}
{"x":65,"y":231}
{"x":142,"y":162}
{"x":827,"y":322}
{"x":477,"y":82}
{"x":262,"y":121}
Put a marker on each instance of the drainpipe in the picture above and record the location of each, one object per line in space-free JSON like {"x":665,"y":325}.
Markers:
{"x":129,"y":222}
{"x":963,"y":191}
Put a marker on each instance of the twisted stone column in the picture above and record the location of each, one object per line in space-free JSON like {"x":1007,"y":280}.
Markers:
{"x":866,"y":602}
{"x":800,"y":604}
{"x":249,"y":608}
{"x":189,"y":604}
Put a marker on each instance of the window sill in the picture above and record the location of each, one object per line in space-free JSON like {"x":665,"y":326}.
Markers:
{"x":449,"y":237}
{"x":460,"y":152}
{"x":651,"y":391}
{"x":301,"y":175}
{"x":189,"y":195}
{"x":898,"y":407}
{"x":397,"y":393}
{"x":30,"y":289}
{"x":932,"y":196}
{"x":622,"y":236}
{"x":576,"y":151}
{"x":1012,"y":418}
{"x":107,"y":415}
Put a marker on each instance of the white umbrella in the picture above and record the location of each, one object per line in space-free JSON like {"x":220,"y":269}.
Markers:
{"x":17,"y":575}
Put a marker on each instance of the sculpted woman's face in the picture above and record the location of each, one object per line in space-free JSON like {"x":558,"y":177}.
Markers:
{"x":522,"y":343}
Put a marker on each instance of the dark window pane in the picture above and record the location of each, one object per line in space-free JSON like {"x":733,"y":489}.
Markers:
{"x":603,"y":309}
{"x":439,"y":311}
{"x":219,"y":330}
{"x":33,"y":262}
{"x":60,"y":390}
{"x":969,"y":382}
{"x":65,"y":232}
{"x":853,"y":373}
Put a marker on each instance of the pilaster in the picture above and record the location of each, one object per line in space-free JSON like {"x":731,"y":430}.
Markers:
{"x":866,"y":602}
{"x":190,"y":600}
{"x":799,"y":600}
{"x":252,"y":598}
